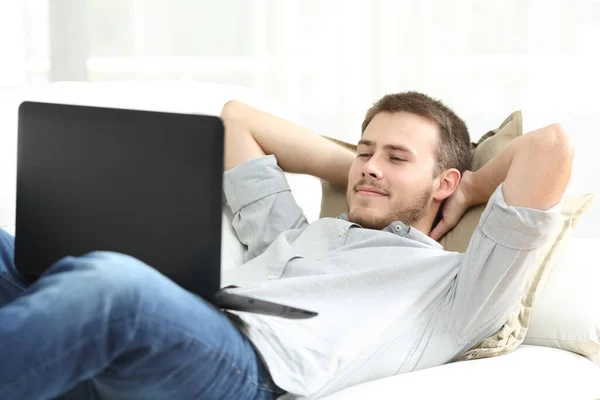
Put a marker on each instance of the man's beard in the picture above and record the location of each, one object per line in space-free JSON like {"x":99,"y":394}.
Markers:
{"x":409,"y":214}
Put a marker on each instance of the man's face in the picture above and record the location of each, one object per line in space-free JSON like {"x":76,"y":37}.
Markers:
{"x":391,"y":178}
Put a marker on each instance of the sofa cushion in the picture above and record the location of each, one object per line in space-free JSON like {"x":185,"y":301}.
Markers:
{"x":530,"y":372}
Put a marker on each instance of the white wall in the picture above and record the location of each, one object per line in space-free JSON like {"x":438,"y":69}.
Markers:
{"x":328,"y":60}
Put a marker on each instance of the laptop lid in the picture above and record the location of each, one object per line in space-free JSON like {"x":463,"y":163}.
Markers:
{"x":143,"y":183}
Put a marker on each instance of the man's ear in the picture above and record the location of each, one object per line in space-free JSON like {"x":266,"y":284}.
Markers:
{"x":446,"y":184}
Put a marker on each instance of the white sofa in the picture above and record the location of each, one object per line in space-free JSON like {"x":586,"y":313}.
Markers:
{"x":531,"y":372}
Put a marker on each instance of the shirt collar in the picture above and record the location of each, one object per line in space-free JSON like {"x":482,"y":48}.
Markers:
{"x":401,"y":229}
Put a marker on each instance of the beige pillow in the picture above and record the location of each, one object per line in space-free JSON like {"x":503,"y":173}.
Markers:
{"x":512,"y":333}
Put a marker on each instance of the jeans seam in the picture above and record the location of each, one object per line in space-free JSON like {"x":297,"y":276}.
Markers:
{"x":191,"y":338}
{"x":12,"y":282}
{"x":45,"y":364}
{"x":217,"y":356}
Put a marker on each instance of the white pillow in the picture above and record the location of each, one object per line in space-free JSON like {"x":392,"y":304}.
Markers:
{"x":307,"y":193}
{"x":566,"y":315}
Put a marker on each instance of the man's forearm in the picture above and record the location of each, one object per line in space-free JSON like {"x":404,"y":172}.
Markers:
{"x":298,"y":150}
{"x":536,"y":167}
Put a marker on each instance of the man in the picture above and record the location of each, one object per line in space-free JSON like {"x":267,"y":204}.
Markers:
{"x":390,"y":299}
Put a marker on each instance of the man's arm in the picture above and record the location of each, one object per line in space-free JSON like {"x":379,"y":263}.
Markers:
{"x":526,"y":182}
{"x":535,"y":169}
{"x":250,"y":133}
{"x":258,"y":146}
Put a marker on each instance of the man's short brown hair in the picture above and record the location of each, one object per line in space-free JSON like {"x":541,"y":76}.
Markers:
{"x":454,"y":147}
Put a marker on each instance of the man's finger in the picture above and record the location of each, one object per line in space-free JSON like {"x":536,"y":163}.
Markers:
{"x":439,"y":230}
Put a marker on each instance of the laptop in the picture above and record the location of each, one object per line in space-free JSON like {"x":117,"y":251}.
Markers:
{"x":146,"y":184}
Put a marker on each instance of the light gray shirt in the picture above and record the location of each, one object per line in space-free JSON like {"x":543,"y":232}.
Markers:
{"x":390,"y":301}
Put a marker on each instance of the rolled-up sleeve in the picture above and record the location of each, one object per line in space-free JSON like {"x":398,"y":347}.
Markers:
{"x":261,"y":202}
{"x":493,"y":273}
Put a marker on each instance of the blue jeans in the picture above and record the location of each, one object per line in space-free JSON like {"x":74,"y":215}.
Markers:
{"x":107,"y":326}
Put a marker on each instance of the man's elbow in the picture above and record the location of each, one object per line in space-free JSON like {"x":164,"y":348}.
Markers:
{"x":551,"y":149}
{"x":541,"y":169}
{"x":557,"y":144}
{"x":229,"y":110}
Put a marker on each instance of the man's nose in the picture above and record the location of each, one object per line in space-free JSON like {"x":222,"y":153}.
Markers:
{"x":372,"y":168}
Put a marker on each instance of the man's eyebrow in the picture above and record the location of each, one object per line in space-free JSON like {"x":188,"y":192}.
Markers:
{"x":395,"y":147}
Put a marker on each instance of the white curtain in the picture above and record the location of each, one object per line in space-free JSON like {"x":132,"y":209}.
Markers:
{"x":328,"y":60}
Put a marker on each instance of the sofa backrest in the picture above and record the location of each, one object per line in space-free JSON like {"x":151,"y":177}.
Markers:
{"x":169,"y":96}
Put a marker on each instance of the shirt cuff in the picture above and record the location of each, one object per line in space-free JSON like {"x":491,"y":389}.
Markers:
{"x":518,"y":228}
{"x":253,"y":180}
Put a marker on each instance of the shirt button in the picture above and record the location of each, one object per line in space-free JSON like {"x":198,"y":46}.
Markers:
{"x":398,"y":228}
{"x":271,"y":277}
{"x":342,"y":232}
